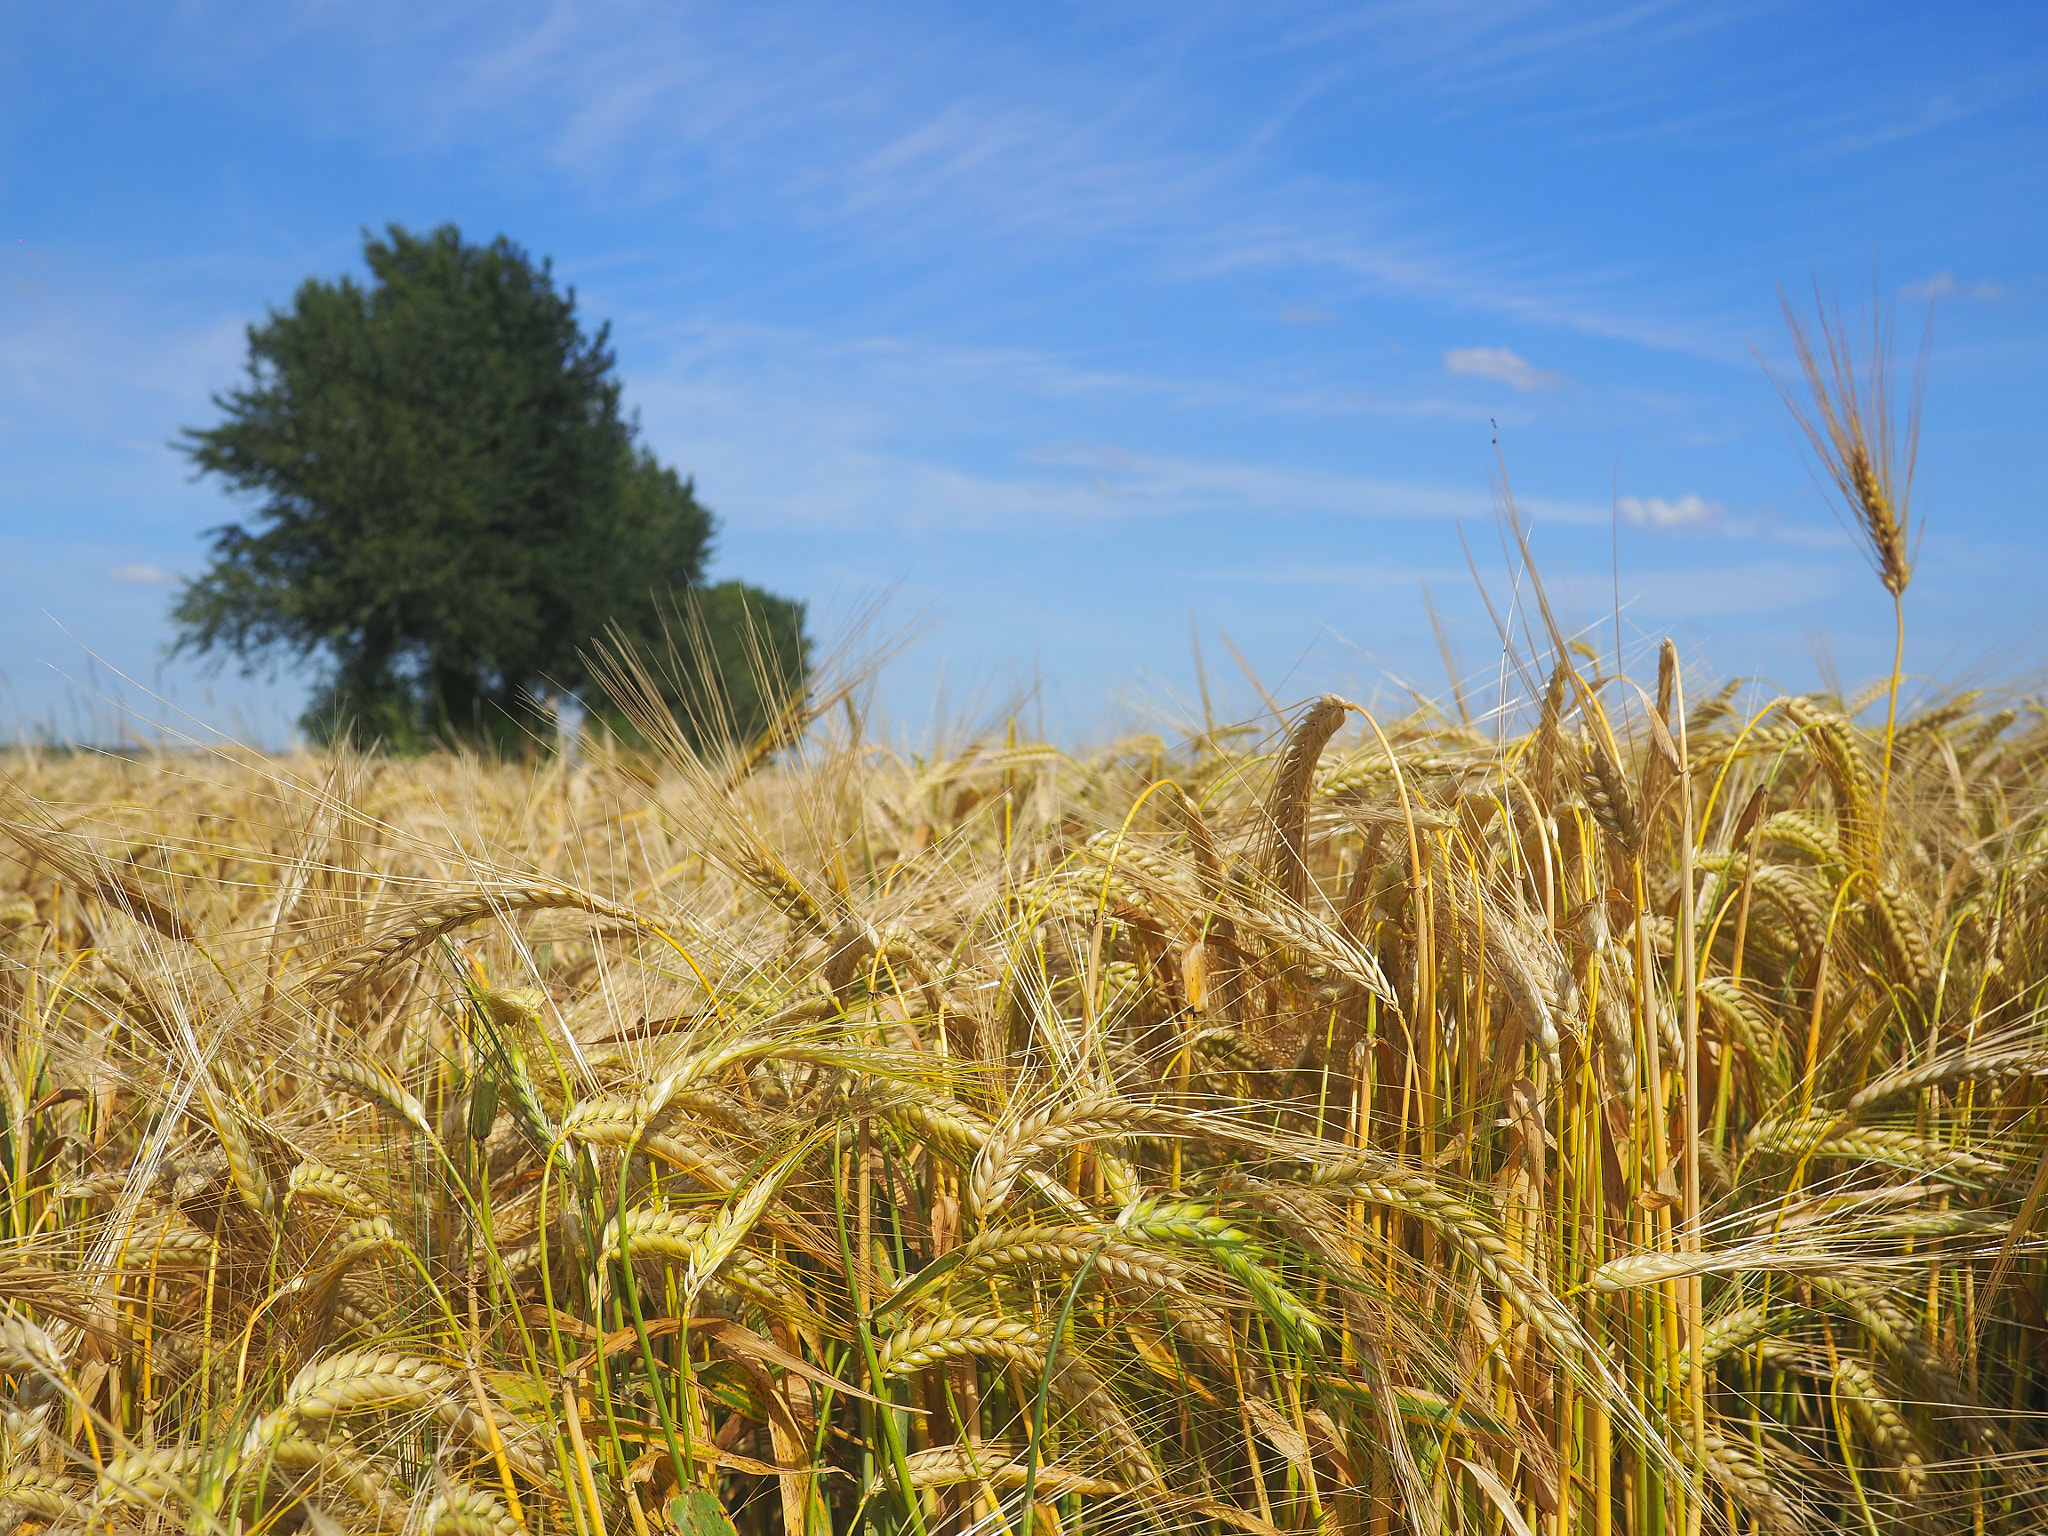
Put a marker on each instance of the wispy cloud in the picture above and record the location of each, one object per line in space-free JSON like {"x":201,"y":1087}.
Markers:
{"x":1323,"y":234}
{"x":1687,"y":511}
{"x":1105,"y":479}
{"x":141,"y":575}
{"x":1499,"y":364}
{"x":897,"y":138}
{"x":1943,"y":285}
{"x":1301,"y":314}
{"x":1473,"y":57}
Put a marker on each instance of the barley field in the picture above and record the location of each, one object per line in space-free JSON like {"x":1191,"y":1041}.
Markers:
{"x":1622,"y":1115}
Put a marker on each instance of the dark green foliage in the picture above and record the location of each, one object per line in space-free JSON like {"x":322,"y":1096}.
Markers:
{"x":730,"y":667}
{"x":752,"y":642}
{"x":452,"y":505}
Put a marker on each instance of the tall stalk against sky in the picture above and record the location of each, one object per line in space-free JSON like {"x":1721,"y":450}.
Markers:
{"x":1866,"y":455}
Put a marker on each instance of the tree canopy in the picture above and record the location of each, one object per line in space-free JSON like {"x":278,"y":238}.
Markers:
{"x":453,"y":508}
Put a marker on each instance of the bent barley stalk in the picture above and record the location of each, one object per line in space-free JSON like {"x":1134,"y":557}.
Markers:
{"x":314,"y":1180}
{"x":967,"y":1334}
{"x":1300,"y":1076}
{"x":358,"y":1381}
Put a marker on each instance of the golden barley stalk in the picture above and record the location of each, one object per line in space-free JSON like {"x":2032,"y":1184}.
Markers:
{"x":1732,"y":1331}
{"x":1849,"y":426}
{"x":1804,"y":832}
{"x":1549,"y":736}
{"x":951,"y":1337}
{"x":996,"y":1464}
{"x":1608,"y":796}
{"x":424,"y":924}
{"x":1906,"y":936}
{"x":1734,"y":1467}
{"x":359,"y":1381}
{"x":1790,"y":891}
{"x":1822,"y":1136}
{"x":359,"y":1239}
{"x":992,"y":1252}
{"x":700,"y":1159}
{"x":1046,"y":1130}
{"x":118,"y":890}
{"x":955,"y":1128}
{"x":1833,"y":743}
{"x":1965,"y":1066}
{"x":1487,"y":1251}
{"x":373,"y":1081}
{"x":758,"y":864}
{"x":1100,"y":1410}
{"x":44,"y":1494}
{"x":658,"y":1232}
{"x":1896,"y":1335}
{"x":460,"y":1510}
{"x":26,"y":1347}
{"x":722,"y":1237}
{"x":169,"y":1242}
{"x":317,"y":1181}
{"x":150,"y":1476}
{"x":1289,"y":810}
{"x":1904,"y":1150}
{"x":1315,"y":940}
{"x":654,"y":1232}
{"x":336,"y":1459}
{"x":94,"y":1186}
{"x":524,"y":1458}
{"x":245,"y":1168}
{"x":1882,"y":1424}
{"x":1157,"y":869}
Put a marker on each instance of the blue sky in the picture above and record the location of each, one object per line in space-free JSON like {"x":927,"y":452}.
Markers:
{"x":1069,"y":326}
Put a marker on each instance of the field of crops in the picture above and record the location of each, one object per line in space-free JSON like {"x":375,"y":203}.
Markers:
{"x":1339,"y":1124}
{"x":1619,"y":1115}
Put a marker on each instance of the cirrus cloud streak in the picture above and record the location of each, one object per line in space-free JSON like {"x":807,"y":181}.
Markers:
{"x":1500,"y":365}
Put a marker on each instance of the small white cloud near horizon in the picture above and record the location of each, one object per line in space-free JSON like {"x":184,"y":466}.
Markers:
{"x":1943,"y":284}
{"x":141,"y":575}
{"x":1500,"y":364}
{"x":1688,"y":511}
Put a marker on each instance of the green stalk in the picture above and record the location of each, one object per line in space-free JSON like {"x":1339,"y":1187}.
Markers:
{"x":899,"y":1461}
{"x":1052,"y":1354}
{"x":679,"y":1453}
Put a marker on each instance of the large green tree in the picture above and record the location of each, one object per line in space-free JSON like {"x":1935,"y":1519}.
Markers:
{"x":452,"y":508}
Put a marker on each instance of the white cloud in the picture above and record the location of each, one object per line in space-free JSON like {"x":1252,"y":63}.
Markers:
{"x":1688,"y":511}
{"x":1501,"y":364}
{"x":1943,"y":284}
{"x":141,"y":575}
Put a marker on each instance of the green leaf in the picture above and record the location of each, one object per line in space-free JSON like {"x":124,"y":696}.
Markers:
{"x":698,"y":1513}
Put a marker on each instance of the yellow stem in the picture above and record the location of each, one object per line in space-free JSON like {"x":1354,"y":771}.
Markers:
{"x":1891,"y":714}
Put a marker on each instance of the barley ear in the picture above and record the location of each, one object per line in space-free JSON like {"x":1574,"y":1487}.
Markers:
{"x":1289,"y":808}
{"x":1847,"y":419}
